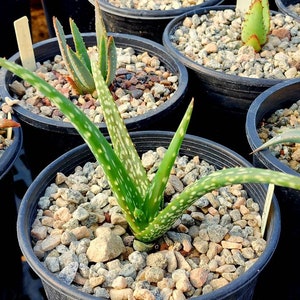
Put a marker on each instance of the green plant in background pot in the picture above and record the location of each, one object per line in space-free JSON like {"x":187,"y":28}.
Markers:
{"x":228,"y":74}
{"x":256,"y":25}
{"x":150,"y":92}
{"x":141,"y":199}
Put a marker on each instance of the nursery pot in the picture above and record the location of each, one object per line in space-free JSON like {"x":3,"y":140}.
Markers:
{"x":280,"y":96}
{"x":46,"y":138}
{"x":213,"y":153}
{"x":283,"y":6}
{"x":222,"y":100}
{"x":146,"y":23}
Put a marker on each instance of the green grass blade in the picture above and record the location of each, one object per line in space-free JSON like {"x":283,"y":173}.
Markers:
{"x":154,"y":197}
{"x":182,"y":201}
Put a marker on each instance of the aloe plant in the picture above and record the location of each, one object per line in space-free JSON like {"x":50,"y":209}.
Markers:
{"x":78,"y":62}
{"x":256,"y":24}
{"x":141,"y":200}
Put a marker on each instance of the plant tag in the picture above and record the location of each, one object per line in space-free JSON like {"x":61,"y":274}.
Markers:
{"x":243,"y":5}
{"x":24,"y":43}
{"x":267,"y":206}
{"x":9,"y":130}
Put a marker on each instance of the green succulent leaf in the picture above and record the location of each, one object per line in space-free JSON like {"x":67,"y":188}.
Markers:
{"x":112,"y":61}
{"x":155,"y":195}
{"x":256,"y":25}
{"x":81,"y":75}
{"x":106,"y":48}
{"x":80,"y":46}
{"x":291,"y":135}
{"x":238,"y":175}
{"x":76,"y":62}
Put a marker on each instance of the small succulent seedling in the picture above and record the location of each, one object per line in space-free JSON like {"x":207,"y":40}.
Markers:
{"x":256,"y":24}
{"x":142,"y":200}
{"x":78,"y":62}
{"x":291,"y":135}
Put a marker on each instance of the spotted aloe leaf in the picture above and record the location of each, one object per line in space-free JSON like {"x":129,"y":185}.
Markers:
{"x":291,"y":135}
{"x":256,"y":24}
{"x":78,"y":62}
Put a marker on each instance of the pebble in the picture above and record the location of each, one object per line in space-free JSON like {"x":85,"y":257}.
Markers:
{"x":216,"y":253}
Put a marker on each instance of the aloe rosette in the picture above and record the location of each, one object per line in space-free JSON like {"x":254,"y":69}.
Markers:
{"x":141,"y":200}
{"x":78,"y":62}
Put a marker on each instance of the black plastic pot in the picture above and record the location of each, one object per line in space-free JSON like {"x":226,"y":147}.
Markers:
{"x":216,"y":154}
{"x":45,"y":139}
{"x":81,"y":11}
{"x":222,"y":100}
{"x":146,"y":23}
{"x":10,"y":289}
{"x":283,"y":7}
{"x":280,"y":96}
